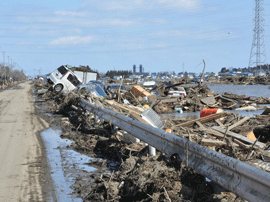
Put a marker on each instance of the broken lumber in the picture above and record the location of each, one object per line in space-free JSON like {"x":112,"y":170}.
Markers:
{"x":239,"y":122}
{"x":199,"y":124}
{"x":242,"y":144}
{"x":210,"y":142}
{"x":203,"y":120}
{"x":213,"y":132}
{"x":239,"y":137}
{"x":219,"y":123}
{"x":168,"y":100}
{"x":113,"y":103}
{"x":139,"y":91}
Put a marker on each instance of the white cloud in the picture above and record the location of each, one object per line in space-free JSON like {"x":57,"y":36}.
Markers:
{"x":72,"y":40}
{"x":139,"y":4}
{"x":180,"y":3}
{"x":69,"y":13}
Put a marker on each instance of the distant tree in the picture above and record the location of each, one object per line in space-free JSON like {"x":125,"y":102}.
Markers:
{"x":124,"y":73}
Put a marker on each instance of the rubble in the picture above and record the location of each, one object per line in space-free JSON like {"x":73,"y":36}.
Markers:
{"x":136,"y":175}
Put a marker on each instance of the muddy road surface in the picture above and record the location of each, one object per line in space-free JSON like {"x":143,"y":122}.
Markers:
{"x":21,"y":152}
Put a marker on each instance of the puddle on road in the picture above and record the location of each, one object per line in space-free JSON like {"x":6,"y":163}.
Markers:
{"x":65,"y":164}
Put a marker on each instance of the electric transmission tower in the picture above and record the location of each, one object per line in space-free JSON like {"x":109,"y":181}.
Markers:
{"x":258,"y":53}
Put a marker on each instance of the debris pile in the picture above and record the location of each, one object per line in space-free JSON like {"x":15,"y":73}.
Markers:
{"x":131,"y":175}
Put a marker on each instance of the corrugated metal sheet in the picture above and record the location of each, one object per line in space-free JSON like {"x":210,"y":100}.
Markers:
{"x":152,"y":118}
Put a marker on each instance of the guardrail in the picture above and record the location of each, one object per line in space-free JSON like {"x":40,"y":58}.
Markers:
{"x":243,"y":179}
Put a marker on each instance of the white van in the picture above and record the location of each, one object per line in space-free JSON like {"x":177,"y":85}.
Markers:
{"x":64,"y":79}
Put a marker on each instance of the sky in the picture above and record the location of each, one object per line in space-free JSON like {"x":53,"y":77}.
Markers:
{"x":162,"y":35}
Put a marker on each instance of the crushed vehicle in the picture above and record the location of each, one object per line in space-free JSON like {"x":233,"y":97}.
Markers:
{"x":149,"y":85}
{"x":112,"y":88}
{"x":177,"y":91}
{"x":93,"y":88}
{"x":63,"y":79}
{"x":102,"y":84}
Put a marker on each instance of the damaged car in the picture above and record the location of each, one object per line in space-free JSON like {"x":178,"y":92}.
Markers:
{"x":63,"y":80}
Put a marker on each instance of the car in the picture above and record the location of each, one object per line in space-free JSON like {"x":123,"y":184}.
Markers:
{"x":149,"y":85}
{"x":63,"y":79}
{"x":102,"y":84}
{"x":95,"y":89}
{"x":177,"y":91}
{"x":197,"y":80}
{"x":114,"y":87}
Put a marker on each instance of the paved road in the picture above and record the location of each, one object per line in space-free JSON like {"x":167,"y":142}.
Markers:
{"x":20,"y":147}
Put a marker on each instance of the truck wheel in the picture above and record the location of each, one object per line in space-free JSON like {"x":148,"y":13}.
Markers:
{"x":58,"y":88}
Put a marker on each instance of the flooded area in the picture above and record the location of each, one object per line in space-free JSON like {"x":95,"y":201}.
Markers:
{"x":66,"y":164}
{"x":249,"y":90}
{"x":196,"y":115}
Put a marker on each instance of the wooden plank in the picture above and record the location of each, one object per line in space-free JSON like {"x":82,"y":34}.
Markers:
{"x":219,"y":123}
{"x":243,"y":144}
{"x":239,"y":122}
{"x":213,"y":132}
{"x":203,"y":120}
{"x":210,"y":142}
{"x":240,"y":137}
{"x":199,"y":124}
{"x":168,"y":100}
{"x":111,"y":102}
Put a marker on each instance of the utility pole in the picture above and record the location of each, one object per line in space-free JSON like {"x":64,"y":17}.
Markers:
{"x":258,"y":51}
{"x":8,"y":60}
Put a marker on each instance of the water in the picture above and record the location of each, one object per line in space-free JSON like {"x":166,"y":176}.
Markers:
{"x":248,"y":90}
{"x":65,"y":164}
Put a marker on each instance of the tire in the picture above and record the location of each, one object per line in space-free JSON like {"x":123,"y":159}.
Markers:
{"x":58,"y":88}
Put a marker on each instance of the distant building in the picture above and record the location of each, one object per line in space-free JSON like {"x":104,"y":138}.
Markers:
{"x":141,"y":69}
{"x":134,"y":69}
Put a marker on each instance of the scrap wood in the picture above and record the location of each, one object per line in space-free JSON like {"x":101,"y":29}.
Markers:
{"x":203,"y":120}
{"x":219,"y":123}
{"x":265,"y":154}
{"x":266,"y":111}
{"x":240,"y":137}
{"x":168,"y":100}
{"x":227,"y":99}
{"x":239,"y":122}
{"x":246,"y":146}
{"x":229,"y":107}
{"x":113,"y":103}
{"x":139,"y":91}
{"x":232,"y":144}
{"x":200,"y":125}
{"x":213,"y":132}
{"x":210,"y":142}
